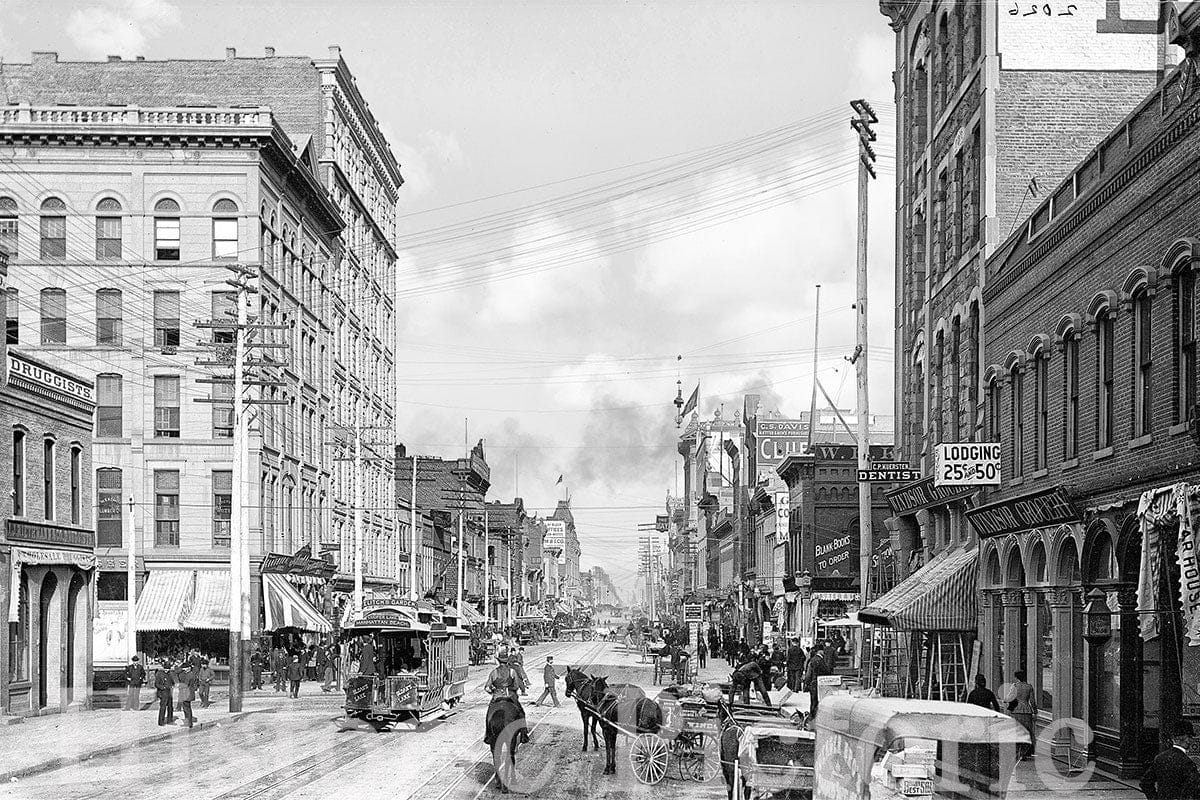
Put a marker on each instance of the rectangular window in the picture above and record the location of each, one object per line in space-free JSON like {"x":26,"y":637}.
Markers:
{"x":939,"y":390}
{"x":1071,"y":411}
{"x":955,"y":380}
{"x":166,"y":407}
{"x":18,"y":636}
{"x":18,"y":473}
{"x":1142,"y":401}
{"x":222,"y":413}
{"x":166,"y":319}
{"x":109,"y":406}
{"x":12,"y":316}
{"x":1042,"y":406}
{"x":108,"y":238}
{"x":8,"y":237}
{"x":76,"y":486}
{"x":166,"y":238}
{"x":222,"y":505}
{"x":224,"y":311}
{"x":54,"y":316}
{"x":166,"y":508}
{"x":109,"y":314}
{"x":109,"y":508}
{"x":48,"y":479}
{"x":1104,"y":377}
{"x":1018,"y":423}
{"x":1186,"y":391}
{"x":54,"y":237}
{"x":225,"y":238}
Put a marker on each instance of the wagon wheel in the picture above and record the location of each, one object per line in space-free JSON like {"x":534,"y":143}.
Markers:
{"x":648,"y":756}
{"x":699,"y":757}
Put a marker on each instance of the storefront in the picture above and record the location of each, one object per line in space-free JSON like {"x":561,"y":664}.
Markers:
{"x":179,"y":610}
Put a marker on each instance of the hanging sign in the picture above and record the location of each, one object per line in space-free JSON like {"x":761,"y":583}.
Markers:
{"x":967,"y":464}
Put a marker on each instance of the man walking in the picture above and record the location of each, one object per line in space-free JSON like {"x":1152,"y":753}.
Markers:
{"x":1172,"y":775}
{"x":256,"y":669}
{"x":135,"y":678}
{"x":518,"y":664}
{"x":295,"y":673}
{"x":549,"y":676}
{"x":795,"y":664}
{"x":701,"y":651}
{"x":817,"y":667}
{"x":206,"y":676}
{"x":279,"y":665}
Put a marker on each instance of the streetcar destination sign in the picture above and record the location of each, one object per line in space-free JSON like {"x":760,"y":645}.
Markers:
{"x":889,"y":472}
{"x":967,"y":464}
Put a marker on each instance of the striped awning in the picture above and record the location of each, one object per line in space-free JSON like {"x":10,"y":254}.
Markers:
{"x":164,"y":600}
{"x":209,"y":609}
{"x":940,"y":596}
{"x":284,"y":607}
{"x":469,"y":616}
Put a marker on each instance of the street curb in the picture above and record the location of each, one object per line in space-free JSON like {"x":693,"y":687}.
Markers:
{"x":65,"y":761}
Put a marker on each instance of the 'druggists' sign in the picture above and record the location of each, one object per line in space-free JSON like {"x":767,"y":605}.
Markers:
{"x":47,"y":378}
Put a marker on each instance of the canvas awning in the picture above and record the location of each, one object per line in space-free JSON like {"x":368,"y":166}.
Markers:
{"x":940,"y":596}
{"x":164,"y":600}
{"x":209,"y":607}
{"x":469,"y":616}
{"x":284,"y":607}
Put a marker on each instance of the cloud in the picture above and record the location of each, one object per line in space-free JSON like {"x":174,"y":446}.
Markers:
{"x":120,"y":27}
{"x":421,"y":161}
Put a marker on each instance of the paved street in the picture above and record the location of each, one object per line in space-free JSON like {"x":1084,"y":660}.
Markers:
{"x":296,"y":752}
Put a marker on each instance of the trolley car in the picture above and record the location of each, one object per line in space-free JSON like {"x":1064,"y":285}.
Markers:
{"x":419,"y":665}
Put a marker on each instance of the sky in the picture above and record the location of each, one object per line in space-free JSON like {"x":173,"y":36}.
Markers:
{"x":602,"y":198}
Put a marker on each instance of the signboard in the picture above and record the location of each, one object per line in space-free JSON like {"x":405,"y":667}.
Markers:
{"x":967,"y":464}
{"x":388,"y":619}
{"x":359,"y":691}
{"x":405,"y":693}
{"x":693,"y":612}
{"x":923,"y":494}
{"x":836,"y":553}
{"x":297,"y":564}
{"x":775,"y":440}
{"x":661,"y":523}
{"x":889,"y":472}
{"x":49,"y":379}
{"x":1078,"y":35}
{"x":1037,"y":510}
{"x":783,"y":510}
{"x":109,"y":629}
{"x":45,"y":533}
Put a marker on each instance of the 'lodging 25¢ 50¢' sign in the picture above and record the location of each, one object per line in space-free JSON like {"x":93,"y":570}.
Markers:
{"x":967,"y":464}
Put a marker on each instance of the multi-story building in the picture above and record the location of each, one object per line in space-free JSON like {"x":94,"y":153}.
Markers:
{"x":140,"y":189}
{"x":47,"y":544}
{"x":571,"y":550}
{"x":554,"y":560}
{"x":534,"y":590}
{"x":506,"y":554}
{"x":994,"y":107}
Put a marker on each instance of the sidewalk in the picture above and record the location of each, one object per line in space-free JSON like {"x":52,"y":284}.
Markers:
{"x":38,"y":744}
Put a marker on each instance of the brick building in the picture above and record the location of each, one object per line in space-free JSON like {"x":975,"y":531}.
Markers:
{"x":507,"y":527}
{"x":47,"y":544}
{"x":994,"y":108}
{"x":1091,"y":387}
{"x":137,"y":186}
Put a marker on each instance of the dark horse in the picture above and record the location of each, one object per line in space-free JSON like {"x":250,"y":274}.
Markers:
{"x":625,"y":708}
{"x":505,"y":724}
{"x":587,"y":691}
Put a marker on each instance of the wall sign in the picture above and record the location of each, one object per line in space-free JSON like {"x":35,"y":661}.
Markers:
{"x":1037,"y":510}
{"x":923,"y":494}
{"x":967,"y":464}
{"x":44,"y":533}
{"x":296,"y":565}
{"x":50,"y":379}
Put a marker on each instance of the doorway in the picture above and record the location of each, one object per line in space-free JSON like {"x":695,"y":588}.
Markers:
{"x":46,"y":618}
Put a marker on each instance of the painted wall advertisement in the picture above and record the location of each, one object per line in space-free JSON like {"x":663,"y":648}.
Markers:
{"x":775,"y":440}
{"x":108,"y":633}
{"x":836,"y":552}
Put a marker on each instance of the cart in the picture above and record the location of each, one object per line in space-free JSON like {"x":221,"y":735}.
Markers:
{"x":773,"y":757}
{"x":689,"y":737}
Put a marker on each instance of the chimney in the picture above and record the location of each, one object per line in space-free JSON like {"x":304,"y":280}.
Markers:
{"x":270,"y":52}
{"x":230,"y":53}
{"x":114,"y":58}
{"x":43,"y":58}
{"x":335,"y":51}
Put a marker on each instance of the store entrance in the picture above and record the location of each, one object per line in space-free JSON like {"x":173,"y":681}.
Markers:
{"x":46,"y":618}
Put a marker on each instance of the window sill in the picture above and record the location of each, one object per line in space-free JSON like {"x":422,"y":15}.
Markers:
{"x":1017,"y":481}
{"x":1102,"y":454}
{"x":1177,"y":430}
{"x":1141,"y":441}
{"x":1041,"y":473}
{"x":1070,"y":463}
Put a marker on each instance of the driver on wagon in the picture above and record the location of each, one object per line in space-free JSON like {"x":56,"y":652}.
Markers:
{"x":505,"y":683}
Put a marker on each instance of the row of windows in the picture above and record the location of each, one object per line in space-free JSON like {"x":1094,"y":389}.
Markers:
{"x":52,"y":230}
{"x":20,"y":473}
{"x":110,"y":317}
{"x":110,"y":507}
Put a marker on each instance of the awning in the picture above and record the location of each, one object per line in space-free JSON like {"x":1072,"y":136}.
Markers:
{"x":469,"y":616}
{"x":940,"y":596}
{"x":561,"y":608}
{"x":209,"y":609}
{"x":284,"y":607}
{"x":164,"y":600}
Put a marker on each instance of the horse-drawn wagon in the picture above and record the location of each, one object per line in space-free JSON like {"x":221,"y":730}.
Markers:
{"x":688,"y":736}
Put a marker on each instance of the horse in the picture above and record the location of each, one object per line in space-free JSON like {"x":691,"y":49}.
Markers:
{"x":505,"y":723}
{"x":624,"y":704}
{"x":731,"y":734}
{"x":587,"y":692}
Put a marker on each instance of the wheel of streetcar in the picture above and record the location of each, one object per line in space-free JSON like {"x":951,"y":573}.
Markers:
{"x":648,"y":757}
{"x":703,"y":760}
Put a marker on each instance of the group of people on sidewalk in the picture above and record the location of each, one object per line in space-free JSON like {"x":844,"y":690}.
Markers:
{"x":288,"y":667}
{"x":178,"y":681}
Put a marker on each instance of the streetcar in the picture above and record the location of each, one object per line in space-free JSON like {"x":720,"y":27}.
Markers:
{"x":409,"y":664}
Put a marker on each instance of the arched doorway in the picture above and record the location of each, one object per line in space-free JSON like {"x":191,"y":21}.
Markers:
{"x":75,"y":660}
{"x":1016,"y":615}
{"x":48,"y":657}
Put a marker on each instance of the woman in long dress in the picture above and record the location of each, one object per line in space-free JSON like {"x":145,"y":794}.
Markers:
{"x":1022,"y":704}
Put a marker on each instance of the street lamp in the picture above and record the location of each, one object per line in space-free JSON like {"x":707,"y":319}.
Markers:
{"x":1097,"y":618}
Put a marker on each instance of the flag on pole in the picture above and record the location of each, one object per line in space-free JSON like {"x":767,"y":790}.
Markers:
{"x":690,"y":405}
{"x":560,"y":479}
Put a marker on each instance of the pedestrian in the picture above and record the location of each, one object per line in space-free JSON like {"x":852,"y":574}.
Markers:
{"x":366,"y":656}
{"x":206,"y":676}
{"x":745,"y":676}
{"x":701,"y":651}
{"x":162,"y":689}
{"x":795,"y":664}
{"x":983,"y":696}
{"x":674,"y":651}
{"x":178,"y":672}
{"x":310,"y":663}
{"x":766,"y":668}
{"x":778,"y":666}
{"x":256,"y":669}
{"x":817,"y":666}
{"x":279,"y":667}
{"x":135,"y":678}
{"x":295,"y":672}
{"x":188,"y":683}
{"x":330,"y":672}
{"x":1022,"y":704}
{"x":320,"y":658}
{"x":549,"y":676}
{"x":1172,"y":775}
{"x":518,"y":664}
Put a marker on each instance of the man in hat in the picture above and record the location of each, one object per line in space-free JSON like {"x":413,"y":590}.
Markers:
{"x":135,"y":678}
{"x":1172,"y":775}
{"x":504,"y":683}
{"x":795,"y":663}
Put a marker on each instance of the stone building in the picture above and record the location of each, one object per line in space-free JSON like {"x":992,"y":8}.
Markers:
{"x":47,"y":544}
{"x":1090,"y":383}
{"x":189,"y":171}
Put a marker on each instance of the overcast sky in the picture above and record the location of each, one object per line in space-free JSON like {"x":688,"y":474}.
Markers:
{"x":554,"y":328}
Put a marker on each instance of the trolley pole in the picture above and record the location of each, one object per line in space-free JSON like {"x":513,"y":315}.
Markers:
{"x":866,"y":159}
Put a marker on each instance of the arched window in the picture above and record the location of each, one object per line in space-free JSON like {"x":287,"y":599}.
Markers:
{"x":945,"y":65}
{"x":1102,"y":561}
{"x":54,"y":316}
{"x":1041,"y":407}
{"x":972,"y":347}
{"x":992,"y":417}
{"x":956,"y":379}
{"x":76,"y":484}
{"x":1037,"y":563}
{"x":1104,"y":378}
{"x":54,"y":229}
{"x":166,"y":230}
{"x":18,"y":473}
{"x":8,"y":227}
{"x":1143,"y":364}
{"x":938,"y":400}
{"x":225,"y":229}
{"x":1185,"y":344}
{"x":109,"y":315}
{"x":108,"y":229}
{"x":1017,"y":410}
{"x":1070,"y":395}
{"x":48,"y":473}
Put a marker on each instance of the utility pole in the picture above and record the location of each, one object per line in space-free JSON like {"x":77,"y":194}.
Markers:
{"x":131,"y":588}
{"x":461,"y":571}
{"x":812,"y":408}
{"x":414,"y":588}
{"x":487,"y":568}
{"x":358,"y":520}
{"x":861,"y":124}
